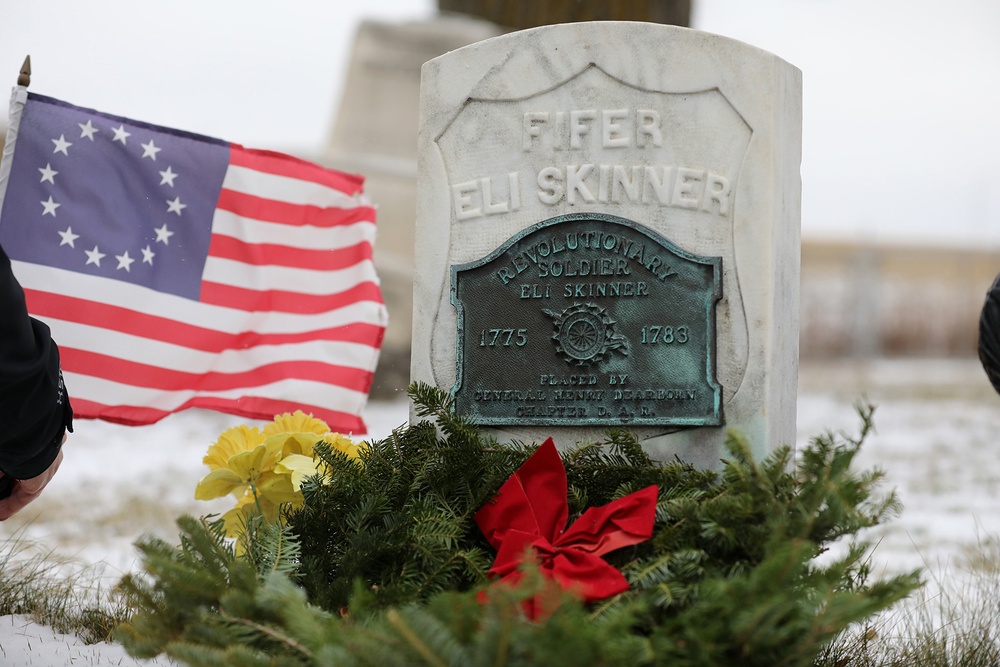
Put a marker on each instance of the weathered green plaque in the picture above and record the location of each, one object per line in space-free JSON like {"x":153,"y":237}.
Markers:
{"x":587,"y":319}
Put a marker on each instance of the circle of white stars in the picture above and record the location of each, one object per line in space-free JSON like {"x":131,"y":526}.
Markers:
{"x":150,"y":151}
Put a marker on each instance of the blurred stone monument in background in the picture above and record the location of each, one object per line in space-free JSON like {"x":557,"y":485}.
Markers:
{"x":375,"y":134}
{"x":522,"y":14}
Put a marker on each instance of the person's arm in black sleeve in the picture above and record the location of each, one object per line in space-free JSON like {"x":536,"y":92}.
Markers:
{"x":989,"y":334}
{"x":35,"y":411}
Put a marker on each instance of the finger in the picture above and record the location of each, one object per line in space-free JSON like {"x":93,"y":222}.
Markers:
{"x":26,"y":490}
{"x":10,"y":506}
{"x":23,"y":494}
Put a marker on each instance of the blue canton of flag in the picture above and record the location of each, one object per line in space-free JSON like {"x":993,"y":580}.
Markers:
{"x":85,"y":180}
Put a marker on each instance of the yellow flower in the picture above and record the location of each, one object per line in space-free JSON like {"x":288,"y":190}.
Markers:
{"x":342,"y":443}
{"x":236,"y":519}
{"x":302,"y":442}
{"x":279,"y":489}
{"x":287,"y":444}
{"x":298,"y":467}
{"x":264,"y":469}
{"x":241,"y":471}
{"x":296,"y":422}
{"x":231,"y":442}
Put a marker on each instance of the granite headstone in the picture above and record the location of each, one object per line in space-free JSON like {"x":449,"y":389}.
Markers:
{"x":608,"y":236}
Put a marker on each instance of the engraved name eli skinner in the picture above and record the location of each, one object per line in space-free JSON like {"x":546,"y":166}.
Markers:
{"x":552,"y":132}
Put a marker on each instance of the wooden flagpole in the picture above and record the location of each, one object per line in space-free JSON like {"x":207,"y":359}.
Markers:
{"x":24,"y":78}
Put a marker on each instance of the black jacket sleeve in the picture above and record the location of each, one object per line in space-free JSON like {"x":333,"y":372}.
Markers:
{"x":35,"y":410}
{"x":989,"y":335}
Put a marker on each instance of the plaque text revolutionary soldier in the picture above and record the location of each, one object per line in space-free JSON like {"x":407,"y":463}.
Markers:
{"x":588,"y":319}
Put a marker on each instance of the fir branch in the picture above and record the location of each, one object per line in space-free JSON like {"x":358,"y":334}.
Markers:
{"x":391,"y":560}
{"x":410,"y":636}
{"x":268,"y":632}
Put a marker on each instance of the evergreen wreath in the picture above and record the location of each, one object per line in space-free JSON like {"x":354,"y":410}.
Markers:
{"x":384,"y":564}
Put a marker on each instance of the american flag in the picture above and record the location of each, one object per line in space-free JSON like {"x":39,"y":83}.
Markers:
{"x":180,"y":271}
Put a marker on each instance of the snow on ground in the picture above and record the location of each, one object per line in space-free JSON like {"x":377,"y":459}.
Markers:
{"x":935,"y":425}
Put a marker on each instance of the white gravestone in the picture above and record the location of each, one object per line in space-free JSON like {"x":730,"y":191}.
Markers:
{"x":608,"y":236}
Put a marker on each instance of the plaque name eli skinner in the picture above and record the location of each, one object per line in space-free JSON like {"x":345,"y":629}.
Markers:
{"x":608,"y":236}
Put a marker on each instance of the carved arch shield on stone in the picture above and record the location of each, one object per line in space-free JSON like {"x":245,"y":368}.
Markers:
{"x":594,"y":142}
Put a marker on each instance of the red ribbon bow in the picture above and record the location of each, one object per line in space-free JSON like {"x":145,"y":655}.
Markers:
{"x":530,"y":510}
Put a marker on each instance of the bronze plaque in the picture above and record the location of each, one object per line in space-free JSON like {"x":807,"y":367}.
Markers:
{"x":587,"y":319}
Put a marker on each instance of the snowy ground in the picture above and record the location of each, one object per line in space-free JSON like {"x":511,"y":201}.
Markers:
{"x":936,"y":422}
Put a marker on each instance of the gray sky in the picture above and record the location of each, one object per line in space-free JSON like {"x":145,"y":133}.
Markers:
{"x":901,"y":97}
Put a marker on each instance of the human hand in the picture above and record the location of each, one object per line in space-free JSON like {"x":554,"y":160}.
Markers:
{"x":26,"y":490}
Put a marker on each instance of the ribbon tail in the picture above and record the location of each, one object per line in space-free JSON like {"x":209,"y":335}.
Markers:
{"x":620,"y":523}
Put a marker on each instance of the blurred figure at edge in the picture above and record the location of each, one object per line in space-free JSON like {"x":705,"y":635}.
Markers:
{"x":35,"y":412}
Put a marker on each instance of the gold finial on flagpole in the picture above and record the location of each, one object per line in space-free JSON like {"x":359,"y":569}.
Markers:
{"x":24,"y":78}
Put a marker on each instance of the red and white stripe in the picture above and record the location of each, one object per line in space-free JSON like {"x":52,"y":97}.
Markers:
{"x":291,"y":315}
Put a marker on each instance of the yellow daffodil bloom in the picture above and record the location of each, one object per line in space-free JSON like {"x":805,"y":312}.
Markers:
{"x":242,"y":470}
{"x":301,"y":465}
{"x":287,"y":444}
{"x":298,"y":467}
{"x":296,"y":422}
{"x":264,"y":469}
{"x":278,"y":489}
{"x":230,"y":443}
{"x":236,"y":519}
{"x":342,"y":443}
